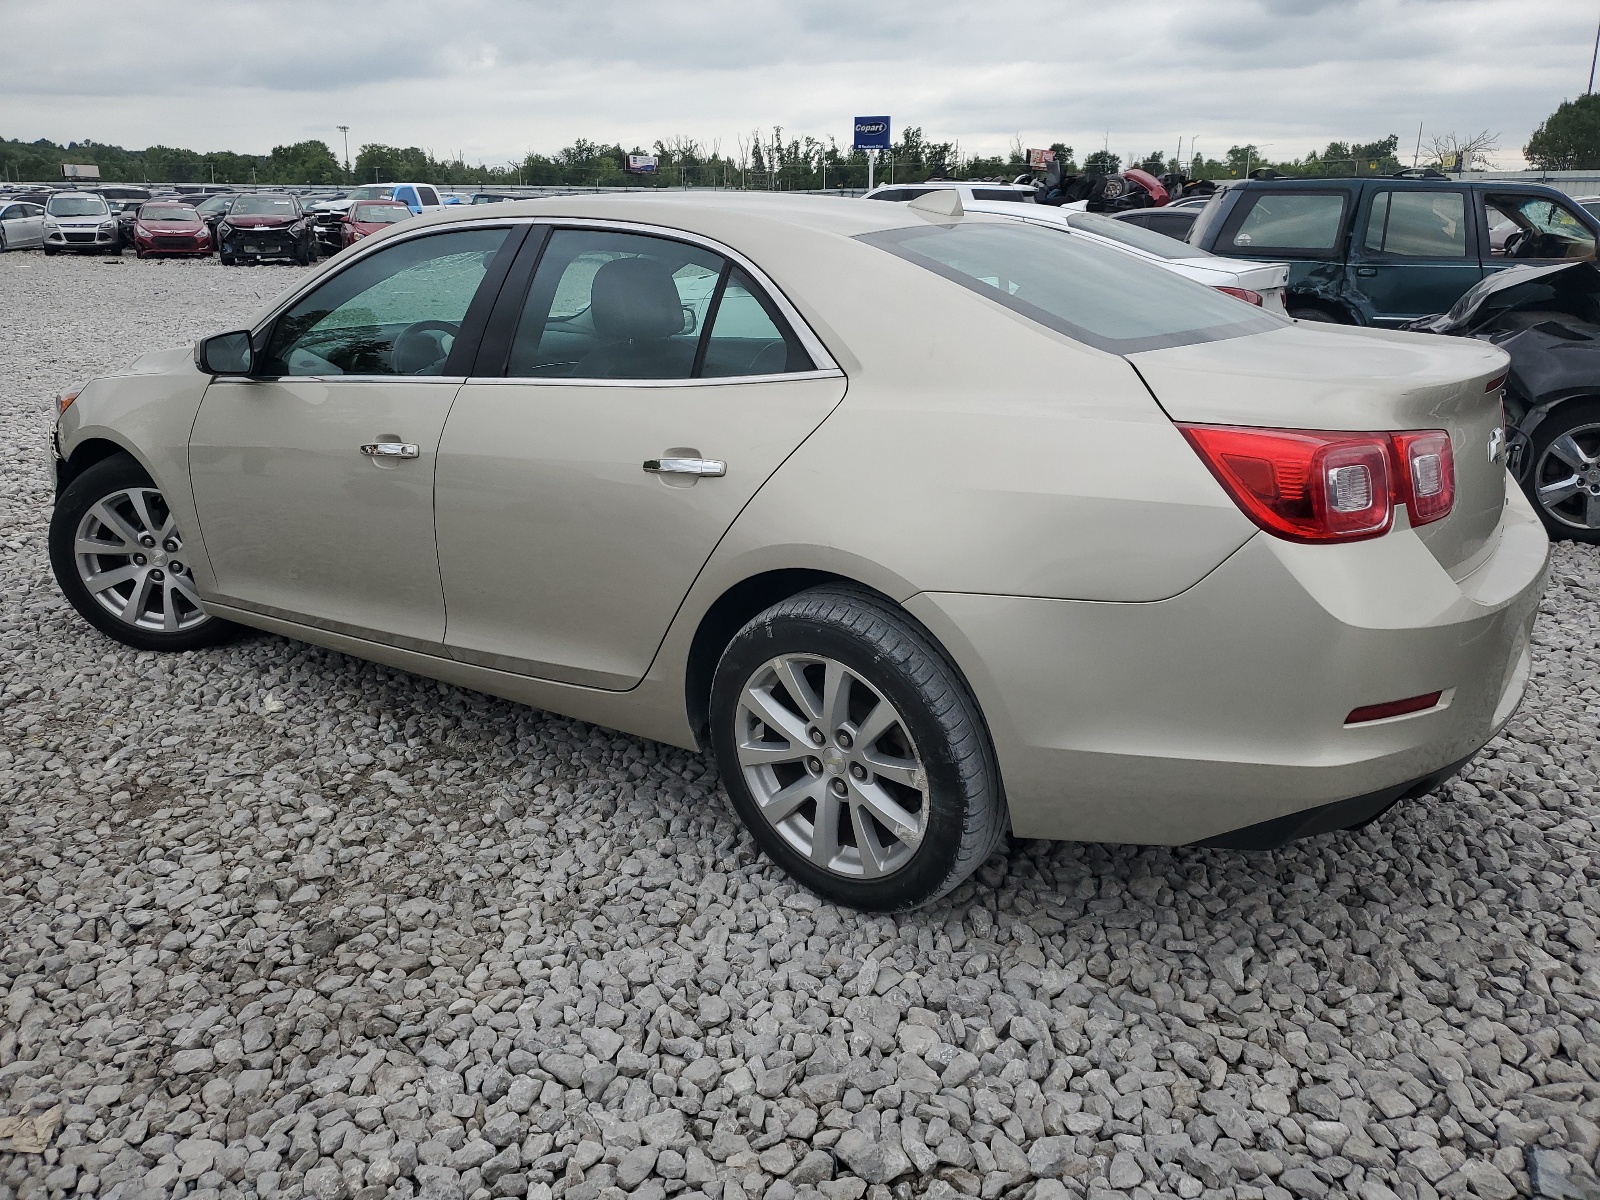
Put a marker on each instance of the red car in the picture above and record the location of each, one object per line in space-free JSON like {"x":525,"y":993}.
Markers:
{"x":167,"y":228}
{"x":370,"y":216}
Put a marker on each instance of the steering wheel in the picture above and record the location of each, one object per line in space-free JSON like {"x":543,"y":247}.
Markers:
{"x":1512,"y":242}
{"x":415,"y":354}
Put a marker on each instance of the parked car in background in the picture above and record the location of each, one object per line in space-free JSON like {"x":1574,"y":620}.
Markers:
{"x":1387,"y":250}
{"x":82,"y":223}
{"x":970,"y":193}
{"x":1172,"y":221}
{"x":367,"y":217}
{"x":169,"y":228}
{"x":21,"y":225}
{"x":1260,"y":284}
{"x":265,"y":225}
{"x":212,"y":209}
{"x":494,"y":197}
{"x":328,"y":215}
{"x":495,"y":449}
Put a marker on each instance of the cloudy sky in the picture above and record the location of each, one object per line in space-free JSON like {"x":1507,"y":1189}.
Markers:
{"x":493,"y":79}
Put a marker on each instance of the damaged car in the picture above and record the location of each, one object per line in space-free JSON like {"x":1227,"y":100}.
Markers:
{"x":1547,"y":318}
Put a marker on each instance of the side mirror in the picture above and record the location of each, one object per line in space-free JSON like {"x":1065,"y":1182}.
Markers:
{"x":225,"y":354}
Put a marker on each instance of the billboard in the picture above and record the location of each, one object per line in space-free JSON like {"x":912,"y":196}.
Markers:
{"x":872,"y":133}
{"x":79,"y":171}
{"x":642,"y":164}
{"x":1039,"y":160}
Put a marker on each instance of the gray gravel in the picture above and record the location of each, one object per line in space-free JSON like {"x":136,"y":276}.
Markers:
{"x":274,"y":921}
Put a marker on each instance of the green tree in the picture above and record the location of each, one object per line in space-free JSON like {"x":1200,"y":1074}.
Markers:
{"x":1569,"y":138}
{"x":1102,"y":162}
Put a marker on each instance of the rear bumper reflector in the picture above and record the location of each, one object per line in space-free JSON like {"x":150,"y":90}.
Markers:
{"x":1394,"y":708}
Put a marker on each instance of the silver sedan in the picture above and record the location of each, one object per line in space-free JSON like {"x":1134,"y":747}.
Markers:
{"x":930,"y":524}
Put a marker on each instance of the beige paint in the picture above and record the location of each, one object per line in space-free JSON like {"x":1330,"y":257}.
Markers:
{"x":1151,"y":666}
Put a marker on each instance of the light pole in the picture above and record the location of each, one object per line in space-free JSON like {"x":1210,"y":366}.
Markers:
{"x":345,"y":129}
{"x":1593,"y":58}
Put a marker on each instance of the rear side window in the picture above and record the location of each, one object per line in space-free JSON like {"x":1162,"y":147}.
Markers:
{"x":1092,"y":293}
{"x":429,"y":196}
{"x":1296,"y":223}
{"x":1007,"y":194}
{"x":747,"y":336}
{"x":901,"y":194}
{"x":1417,"y":224}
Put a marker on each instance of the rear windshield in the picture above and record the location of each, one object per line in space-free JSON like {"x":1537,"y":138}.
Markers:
{"x":1130,"y":234}
{"x":1091,"y":293}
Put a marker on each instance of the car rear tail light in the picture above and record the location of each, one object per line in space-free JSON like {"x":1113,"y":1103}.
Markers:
{"x":1308,"y":485}
{"x":1244,"y":294}
{"x":1498,"y":382}
{"x":1429,"y":469}
{"x":1394,"y":708}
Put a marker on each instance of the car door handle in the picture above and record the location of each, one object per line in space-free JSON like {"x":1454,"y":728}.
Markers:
{"x":1363,"y":271}
{"x":702,"y":467}
{"x":391,"y":450}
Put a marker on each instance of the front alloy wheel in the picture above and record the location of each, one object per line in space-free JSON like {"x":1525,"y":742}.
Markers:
{"x":119,"y":557}
{"x":1565,"y":482}
{"x":854,"y":752}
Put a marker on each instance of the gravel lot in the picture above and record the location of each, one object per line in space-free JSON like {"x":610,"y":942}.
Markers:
{"x":279,"y":922}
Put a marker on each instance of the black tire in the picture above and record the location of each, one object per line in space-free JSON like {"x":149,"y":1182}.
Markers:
{"x":963,"y":817}
{"x":51,"y":251}
{"x":227,"y":260}
{"x":107,"y":479}
{"x":1580,"y":419}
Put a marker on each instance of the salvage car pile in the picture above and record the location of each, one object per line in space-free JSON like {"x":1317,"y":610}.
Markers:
{"x":283,"y":922}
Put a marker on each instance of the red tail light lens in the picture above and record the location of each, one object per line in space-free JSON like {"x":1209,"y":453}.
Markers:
{"x":1429,"y":472}
{"x":1307,"y":485}
{"x":1244,"y":294}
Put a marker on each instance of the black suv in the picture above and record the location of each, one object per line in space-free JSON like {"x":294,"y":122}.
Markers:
{"x":1389,"y":249}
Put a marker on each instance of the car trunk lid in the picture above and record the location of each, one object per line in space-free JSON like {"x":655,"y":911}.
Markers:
{"x":1307,"y":376}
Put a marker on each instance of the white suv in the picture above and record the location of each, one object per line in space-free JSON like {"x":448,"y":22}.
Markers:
{"x":81,"y":222}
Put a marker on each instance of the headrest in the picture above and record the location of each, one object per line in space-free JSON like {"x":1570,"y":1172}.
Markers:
{"x":633,"y":299}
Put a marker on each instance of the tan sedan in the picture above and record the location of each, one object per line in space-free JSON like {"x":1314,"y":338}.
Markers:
{"x":930,"y":524}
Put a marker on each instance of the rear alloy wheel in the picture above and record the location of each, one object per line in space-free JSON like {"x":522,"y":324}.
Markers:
{"x":853,"y":751}
{"x":118,"y":556}
{"x":1564,"y":484}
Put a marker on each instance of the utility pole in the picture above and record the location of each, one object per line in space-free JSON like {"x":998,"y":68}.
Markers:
{"x":1592,"y":59}
{"x":1418,"y":152}
{"x":345,"y":129}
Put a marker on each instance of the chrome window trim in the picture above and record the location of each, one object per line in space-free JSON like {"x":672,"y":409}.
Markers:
{"x":825,"y":363}
{"x":707,"y":381}
{"x":455,"y":379}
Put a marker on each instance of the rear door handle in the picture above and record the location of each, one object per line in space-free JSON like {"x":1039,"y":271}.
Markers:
{"x":1365,"y":271}
{"x":390,"y":450}
{"x":701,"y":467}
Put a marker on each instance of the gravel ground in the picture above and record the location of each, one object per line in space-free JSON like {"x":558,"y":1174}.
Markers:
{"x":276,"y":921}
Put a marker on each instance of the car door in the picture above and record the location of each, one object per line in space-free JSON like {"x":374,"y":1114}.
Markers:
{"x":408,"y":196}
{"x":313,"y":479}
{"x":1533,"y":227}
{"x":13,"y":226}
{"x":627,"y":403}
{"x":1416,"y":253}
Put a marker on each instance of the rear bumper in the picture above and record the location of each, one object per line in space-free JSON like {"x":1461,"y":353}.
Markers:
{"x":1221,"y":711}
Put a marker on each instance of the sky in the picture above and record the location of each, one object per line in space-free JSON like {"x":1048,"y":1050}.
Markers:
{"x":495,"y":79}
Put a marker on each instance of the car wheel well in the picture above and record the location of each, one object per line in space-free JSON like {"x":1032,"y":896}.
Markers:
{"x":85,"y":456}
{"x":1336,"y":313}
{"x":726,"y":616}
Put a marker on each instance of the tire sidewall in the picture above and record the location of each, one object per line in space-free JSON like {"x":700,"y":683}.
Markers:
{"x":948,"y":791}
{"x":1561,"y":420}
{"x":101,"y":480}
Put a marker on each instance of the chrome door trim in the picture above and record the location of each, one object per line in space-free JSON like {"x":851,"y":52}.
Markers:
{"x":825,"y":362}
{"x":550,"y":381}
{"x":420,"y":645}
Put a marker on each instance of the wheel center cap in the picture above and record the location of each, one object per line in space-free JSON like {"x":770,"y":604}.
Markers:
{"x":834,"y":760}
{"x":158,"y":558}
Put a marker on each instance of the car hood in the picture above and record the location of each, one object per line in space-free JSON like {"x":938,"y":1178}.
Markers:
{"x":173,"y":226}
{"x":78,"y":222}
{"x":1507,"y":290}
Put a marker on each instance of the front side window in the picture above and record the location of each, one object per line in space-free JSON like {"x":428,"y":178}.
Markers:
{"x":1091,"y":293}
{"x":76,"y":206}
{"x":1536,"y":227}
{"x":1295,"y":223}
{"x":396,"y":312}
{"x":1417,"y":224}
{"x":12,"y":213}
{"x":606,"y":305}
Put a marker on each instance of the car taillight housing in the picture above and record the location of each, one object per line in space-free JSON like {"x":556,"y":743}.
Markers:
{"x":1307,"y":485}
{"x":1244,"y":294}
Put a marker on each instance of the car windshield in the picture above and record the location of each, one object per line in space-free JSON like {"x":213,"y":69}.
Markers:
{"x":381,"y":214}
{"x":168,"y":212}
{"x":215,"y":204}
{"x":76,"y":206}
{"x":372,"y":193}
{"x":263,"y":206}
{"x":1093,"y":294}
{"x":1133,"y":235}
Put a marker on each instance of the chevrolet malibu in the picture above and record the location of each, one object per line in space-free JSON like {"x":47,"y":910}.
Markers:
{"x":930,"y":526}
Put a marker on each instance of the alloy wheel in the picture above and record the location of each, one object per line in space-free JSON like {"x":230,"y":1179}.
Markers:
{"x":1567,"y":478}
{"x":129,"y":557}
{"x":832,"y":766}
